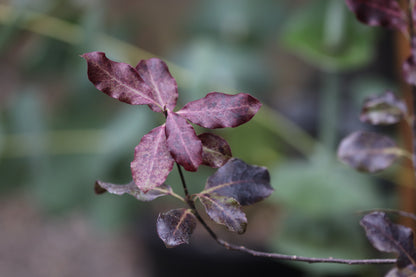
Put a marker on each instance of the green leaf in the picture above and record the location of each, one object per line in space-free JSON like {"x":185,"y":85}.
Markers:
{"x":309,"y":35}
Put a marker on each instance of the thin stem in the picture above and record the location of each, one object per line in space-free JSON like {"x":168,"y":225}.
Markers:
{"x":276,"y":256}
{"x":191,"y":204}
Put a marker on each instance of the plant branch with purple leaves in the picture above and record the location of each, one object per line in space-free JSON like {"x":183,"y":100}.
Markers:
{"x":236,"y":183}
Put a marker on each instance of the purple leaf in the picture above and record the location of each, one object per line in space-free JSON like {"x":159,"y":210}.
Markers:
{"x":383,"y":109}
{"x":163,"y":86}
{"x":184,"y":145}
{"x":132,"y":189}
{"x":388,"y":237}
{"x":215,"y":150}
{"x":224,"y":210}
{"x":118,"y":80}
{"x":408,"y":271}
{"x":409,"y":69}
{"x":152,"y":160}
{"x":369,"y":152}
{"x":246,"y":183}
{"x":175,"y":227}
{"x":219,"y":110}
{"x":386,"y":13}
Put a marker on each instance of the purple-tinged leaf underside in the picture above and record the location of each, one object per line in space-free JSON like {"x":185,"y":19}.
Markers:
{"x":408,"y":271}
{"x":175,"y":227}
{"x":383,"y":109}
{"x":163,"y":86}
{"x":183,"y":143}
{"x":368,"y":152}
{"x":215,"y":150}
{"x":225,"y":210}
{"x":386,"y":13}
{"x":219,"y":110}
{"x":118,"y":80}
{"x":132,"y":189}
{"x":388,"y":237}
{"x":246,"y":183}
{"x":409,"y":69}
{"x":152,"y":160}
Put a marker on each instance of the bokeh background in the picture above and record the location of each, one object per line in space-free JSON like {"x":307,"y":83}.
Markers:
{"x":311,"y":64}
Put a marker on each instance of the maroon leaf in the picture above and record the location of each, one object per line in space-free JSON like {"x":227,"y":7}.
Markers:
{"x":132,"y":189}
{"x":215,"y":150}
{"x":386,"y":13}
{"x":152,"y":160}
{"x":408,"y":271}
{"x":369,"y":152}
{"x":409,"y":69}
{"x":383,"y":109}
{"x":118,"y":80}
{"x":164,"y":88}
{"x":184,"y":145}
{"x":224,"y":210}
{"x":175,"y":227}
{"x":219,"y":110}
{"x":388,"y":237}
{"x":246,"y":183}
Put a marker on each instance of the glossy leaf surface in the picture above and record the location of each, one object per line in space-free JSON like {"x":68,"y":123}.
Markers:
{"x":184,"y":145}
{"x":219,"y":110}
{"x":215,"y":150}
{"x":224,"y":210}
{"x":163,"y":86}
{"x":246,"y":183}
{"x":131,"y":188}
{"x":369,"y":152}
{"x":152,"y":160}
{"x":388,"y":237}
{"x":118,"y":80}
{"x":383,"y":109}
{"x":386,"y":13}
{"x":175,"y":227}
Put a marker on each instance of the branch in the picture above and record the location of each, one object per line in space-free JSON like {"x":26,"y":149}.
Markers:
{"x":277,"y":256}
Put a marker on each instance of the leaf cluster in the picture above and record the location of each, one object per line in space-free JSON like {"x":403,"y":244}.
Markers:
{"x":373,"y":152}
{"x":235,"y":183}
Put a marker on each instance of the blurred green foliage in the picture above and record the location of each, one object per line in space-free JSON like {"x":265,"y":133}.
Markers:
{"x":58,"y":134}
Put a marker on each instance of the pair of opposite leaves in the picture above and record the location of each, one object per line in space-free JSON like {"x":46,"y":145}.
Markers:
{"x":150,"y":83}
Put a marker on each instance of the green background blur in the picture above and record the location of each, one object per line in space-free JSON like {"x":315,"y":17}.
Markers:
{"x":309,"y":62}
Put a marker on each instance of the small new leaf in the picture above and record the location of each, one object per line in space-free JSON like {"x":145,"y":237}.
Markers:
{"x":118,"y":80}
{"x":131,"y":188}
{"x":152,"y":161}
{"x":163,"y":86}
{"x":215,"y":150}
{"x":224,"y":210}
{"x":183,"y":144}
{"x":383,"y":109}
{"x":176,"y":226}
{"x":219,"y":110}
{"x":386,"y":13}
{"x":388,"y":237}
{"x":246,"y":183}
{"x":369,"y":152}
